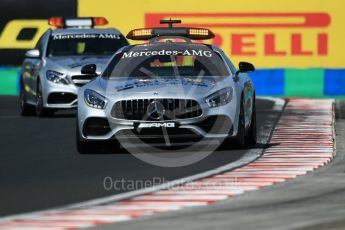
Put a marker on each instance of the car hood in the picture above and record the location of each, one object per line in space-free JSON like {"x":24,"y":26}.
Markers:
{"x":161,"y":87}
{"x":74,"y":64}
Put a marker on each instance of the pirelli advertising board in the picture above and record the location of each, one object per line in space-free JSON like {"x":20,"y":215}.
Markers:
{"x":270,"y":33}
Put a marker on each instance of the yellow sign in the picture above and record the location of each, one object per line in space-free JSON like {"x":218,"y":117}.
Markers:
{"x":9,"y":34}
{"x":268,"y":33}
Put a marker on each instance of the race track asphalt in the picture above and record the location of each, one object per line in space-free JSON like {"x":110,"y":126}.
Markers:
{"x":315,"y":201}
{"x":40,"y":167}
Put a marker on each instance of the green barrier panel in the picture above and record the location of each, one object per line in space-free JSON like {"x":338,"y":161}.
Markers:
{"x":304,"y":83}
{"x":9,"y":81}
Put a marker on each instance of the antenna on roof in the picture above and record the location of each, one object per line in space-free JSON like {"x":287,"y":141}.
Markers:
{"x":170,"y":22}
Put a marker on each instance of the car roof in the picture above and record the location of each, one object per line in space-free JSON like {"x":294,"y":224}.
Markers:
{"x":88,"y":31}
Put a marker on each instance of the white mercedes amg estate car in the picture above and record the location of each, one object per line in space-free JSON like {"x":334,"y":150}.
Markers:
{"x":169,"y":88}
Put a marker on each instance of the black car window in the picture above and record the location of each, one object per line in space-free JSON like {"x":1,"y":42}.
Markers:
{"x":39,"y":44}
{"x":84,"y":44}
{"x":167,"y":60}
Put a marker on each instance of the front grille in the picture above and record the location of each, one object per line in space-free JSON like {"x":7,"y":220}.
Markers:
{"x":80,"y":80}
{"x":174,"y":109}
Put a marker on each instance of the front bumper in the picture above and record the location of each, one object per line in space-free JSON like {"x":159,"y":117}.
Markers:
{"x":214,"y":123}
{"x":56,"y":96}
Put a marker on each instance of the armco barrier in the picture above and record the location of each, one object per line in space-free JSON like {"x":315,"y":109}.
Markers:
{"x":314,"y":83}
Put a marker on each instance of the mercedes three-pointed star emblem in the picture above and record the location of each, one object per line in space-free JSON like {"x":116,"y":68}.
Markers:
{"x":155,"y":110}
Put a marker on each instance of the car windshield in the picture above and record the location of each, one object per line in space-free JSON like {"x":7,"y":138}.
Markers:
{"x":167,"y":60}
{"x":84,"y":44}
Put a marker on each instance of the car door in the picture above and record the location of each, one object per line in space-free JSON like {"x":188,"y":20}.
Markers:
{"x":36,"y":64}
{"x":26,"y":77}
{"x":30,"y":69}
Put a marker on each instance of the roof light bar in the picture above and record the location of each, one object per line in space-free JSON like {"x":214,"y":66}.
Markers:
{"x":140,"y":34}
{"x":61,"y":22}
{"x":99,"y":21}
{"x":191,"y":33}
{"x":78,"y":22}
{"x":56,"y":21}
{"x":198,"y":31}
{"x":170,"y":31}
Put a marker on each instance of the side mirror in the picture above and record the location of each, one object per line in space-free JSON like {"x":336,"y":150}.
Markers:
{"x":89,"y":69}
{"x":32,"y":53}
{"x":245,"y":67}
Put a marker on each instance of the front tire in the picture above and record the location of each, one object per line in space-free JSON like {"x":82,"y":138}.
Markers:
{"x":41,"y":111}
{"x":25,"y":108}
{"x":240,"y":139}
{"x":238,"y":142}
{"x":251,"y":138}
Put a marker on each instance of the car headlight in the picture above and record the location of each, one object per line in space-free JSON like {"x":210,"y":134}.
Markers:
{"x":221,"y":97}
{"x":57,"y":77}
{"x":94,"y":99}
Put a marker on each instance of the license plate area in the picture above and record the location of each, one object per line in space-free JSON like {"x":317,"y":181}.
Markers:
{"x":155,"y":125}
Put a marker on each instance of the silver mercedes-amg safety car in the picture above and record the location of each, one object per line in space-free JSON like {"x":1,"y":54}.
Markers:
{"x":168,"y":88}
{"x":51,"y":73}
